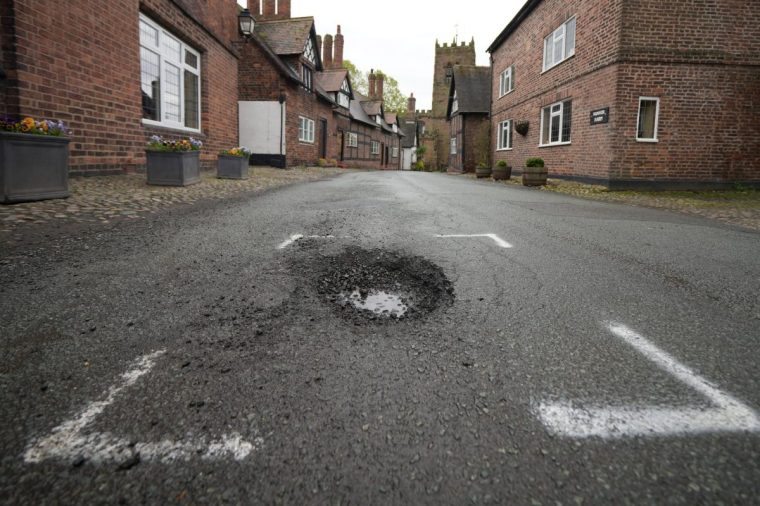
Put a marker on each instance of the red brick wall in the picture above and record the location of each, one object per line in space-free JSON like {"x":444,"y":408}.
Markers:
{"x":476,"y":135}
{"x":85,"y":69}
{"x":704,"y":69}
{"x":8,"y":93}
{"x":588,"y":78}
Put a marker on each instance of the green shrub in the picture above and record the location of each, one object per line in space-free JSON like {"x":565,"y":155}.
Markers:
{"x":534,"y":162}
{"x":502,"y":164}
{"x":419,"y":165}
{"x":322,"y":162}
{"x":482,"y":165}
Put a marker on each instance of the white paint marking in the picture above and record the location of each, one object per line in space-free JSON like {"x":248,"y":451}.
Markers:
{"x":727,"y":415}
{"x":293,"y":238}
{"x":498,"y":240}
{"x":67,"y":441}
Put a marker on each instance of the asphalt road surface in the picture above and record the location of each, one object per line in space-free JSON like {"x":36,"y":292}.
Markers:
{"x":535,"y":349}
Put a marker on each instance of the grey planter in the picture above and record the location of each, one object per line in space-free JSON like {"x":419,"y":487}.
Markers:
{"x":170,"y":168}
{"x":232,"y":167}
{"x":33,"y":167}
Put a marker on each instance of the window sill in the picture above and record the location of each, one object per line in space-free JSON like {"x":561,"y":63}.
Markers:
{"x":504,"y":149}
{"x":557,"y":64}
{"x":177,"y":128}
{"x":648,"y":141}
{"x":555,"y":144}
{"x":311,"y":143}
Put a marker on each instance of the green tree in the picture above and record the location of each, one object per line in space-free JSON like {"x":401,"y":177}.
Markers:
{"x":395,"y":101}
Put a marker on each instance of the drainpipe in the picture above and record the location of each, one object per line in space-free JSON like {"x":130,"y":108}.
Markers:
{"x":282,"y":99}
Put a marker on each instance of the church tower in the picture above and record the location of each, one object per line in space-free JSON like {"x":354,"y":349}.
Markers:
{"x":445,"y":58}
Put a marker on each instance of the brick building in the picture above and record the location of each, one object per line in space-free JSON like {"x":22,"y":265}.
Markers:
{"x":625,"y":93}
{"x":468,"y":115}
{"x":121,"y":72}
{"x":297,"y":104}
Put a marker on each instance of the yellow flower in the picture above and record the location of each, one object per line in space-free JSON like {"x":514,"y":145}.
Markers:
{"x":43,"y":126}
{"x":27,"y":124}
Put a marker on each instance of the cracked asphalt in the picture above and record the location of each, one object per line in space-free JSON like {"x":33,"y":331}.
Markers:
{"x":436,"y":409}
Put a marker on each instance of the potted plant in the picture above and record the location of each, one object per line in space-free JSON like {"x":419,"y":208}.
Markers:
{"x":502,"y":171}
{"x":233,"y":164}
{"x":483,"y":170}
{"x":173,"y":163}
{"x":535,"y":172}
{"x":34,"y":160}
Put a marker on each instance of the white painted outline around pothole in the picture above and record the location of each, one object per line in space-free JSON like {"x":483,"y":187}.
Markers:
{"x":69,"y":441}
{"x":726,"y":413}
{"x":498,"y":240}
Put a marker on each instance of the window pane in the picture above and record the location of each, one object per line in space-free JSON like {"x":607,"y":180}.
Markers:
{"x":559,"y":46}
{"x":545,"y":121}
{"x":171,"y":93}
{"x":554,"y":131}
{"x":647,"y":115}
{"x":192,"y":100}
{"x":508,"y":133}
{"x":148,"y":34}
{"x":191,"y":59}
{"x":171,"y":48}
{"x":567,"y":116}
{"x":150,"y":73}
{"x":548,"y":52}
{"x":570,"y":31}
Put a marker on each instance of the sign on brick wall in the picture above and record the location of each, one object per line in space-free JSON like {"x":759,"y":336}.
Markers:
{"x":600,"y":116}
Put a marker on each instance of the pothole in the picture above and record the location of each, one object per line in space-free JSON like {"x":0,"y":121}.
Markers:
{"x":381,"y":285}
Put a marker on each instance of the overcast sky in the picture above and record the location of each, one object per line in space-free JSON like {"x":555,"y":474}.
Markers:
{"x":398,"y":36}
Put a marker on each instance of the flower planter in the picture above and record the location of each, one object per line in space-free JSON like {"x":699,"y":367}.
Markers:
{"x":534,"y":176}
{"x":33,"y":167}
{"x":232,"y":167}
{"x":173,"y":168}
{"x":483,"y":172}
{"x":501,"y":173}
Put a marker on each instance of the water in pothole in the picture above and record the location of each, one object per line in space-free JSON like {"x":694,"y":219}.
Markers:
{"x":377,"y":301}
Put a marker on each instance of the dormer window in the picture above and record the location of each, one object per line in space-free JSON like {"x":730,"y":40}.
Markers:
{"x":309,"y":52}
{"x":344,"y":95}
{"x":455,"y":103}
{"x":378,"y":120}
{"x":308,"y":78}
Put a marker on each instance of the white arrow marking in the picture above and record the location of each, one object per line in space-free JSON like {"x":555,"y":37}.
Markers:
{"x":67,"y":441}
{"x":726,"y":415}
{"x":498,"y":240}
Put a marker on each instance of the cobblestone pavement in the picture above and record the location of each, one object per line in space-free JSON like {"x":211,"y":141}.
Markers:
{"x":104,"y":199}
{"x":739,"y":207}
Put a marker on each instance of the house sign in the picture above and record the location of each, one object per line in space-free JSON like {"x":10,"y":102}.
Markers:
{"x":601,"y":116}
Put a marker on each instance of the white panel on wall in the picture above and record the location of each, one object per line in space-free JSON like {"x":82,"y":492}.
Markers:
{"x":262,"y":127}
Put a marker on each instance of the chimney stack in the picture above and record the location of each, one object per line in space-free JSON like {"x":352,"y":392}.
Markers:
{"x":411,"y":105}
{"x":327,"y":50}
{"x":269,"y":10}
{"x":371,"y":80}
{"x":338,"y":61}
{"x":379,"y":85}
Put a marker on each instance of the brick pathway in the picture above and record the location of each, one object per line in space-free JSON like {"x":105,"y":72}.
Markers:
{"x":104,"y":199}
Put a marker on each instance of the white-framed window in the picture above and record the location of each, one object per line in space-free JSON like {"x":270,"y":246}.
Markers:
{"x":648,"y":120}
{"x":378,"y":120}
{"x":560,"y":44}
{"x":308,"y":78}
{"x":375,"y":148}
{"x":170,"y":79}
{"x":352,"y":140}
{"x":395,"y":152}
{"x":507,"y":81}
{"x":395,"y":128}
{"x":555,"y":123}
{"x":344,"y":95}
{"x":305,"y":129}
{"x":453,"y":150}
{"x":455,"y":103}
{"x":504,"y":133}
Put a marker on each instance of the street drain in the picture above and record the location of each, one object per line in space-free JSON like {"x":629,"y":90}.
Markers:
{"x":381,"y":285}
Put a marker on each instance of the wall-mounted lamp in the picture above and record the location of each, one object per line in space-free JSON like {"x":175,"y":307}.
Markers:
{"x":245,"y":23}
